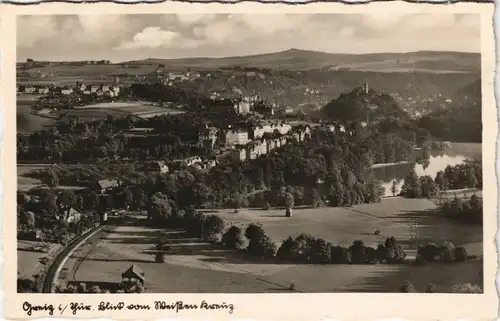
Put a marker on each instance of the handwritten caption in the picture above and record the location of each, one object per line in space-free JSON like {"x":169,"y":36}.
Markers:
{"x":76,"y":307}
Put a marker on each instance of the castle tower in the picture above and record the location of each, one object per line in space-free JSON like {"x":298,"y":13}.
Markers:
{"x":366,"y":88}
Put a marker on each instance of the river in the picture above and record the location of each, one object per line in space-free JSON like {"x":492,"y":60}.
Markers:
{"x":437,"y":162}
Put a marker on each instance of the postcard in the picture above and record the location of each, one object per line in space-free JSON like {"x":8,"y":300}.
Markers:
{"x":249,"y":161}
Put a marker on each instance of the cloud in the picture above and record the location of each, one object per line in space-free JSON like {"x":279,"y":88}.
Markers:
{"x":138,"y":36}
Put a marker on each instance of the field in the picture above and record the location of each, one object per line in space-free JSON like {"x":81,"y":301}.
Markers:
{"x":26,"y":122}
{"x":119,"y":109}
{"x":392,"y":216}
{"x":28,"y":262}
{"x":195,"y":266}
{"x":25,"y":183}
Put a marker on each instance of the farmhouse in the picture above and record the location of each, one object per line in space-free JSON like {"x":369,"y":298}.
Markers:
{"x":43,"y":90}
{"x":134,"y":272}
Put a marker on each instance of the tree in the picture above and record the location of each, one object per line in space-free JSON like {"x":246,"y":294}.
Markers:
{"x":128,"y":197}
{"x":233,"y":238}
{"x":262,"y":247}
{"x":460,"y":253}
{"x":254,"y":231}
{"x":358,"y":251}
{"x":53,"y":179}
{"x":212,"y":227}
{"x":289,"y":202}
{"x":431,"y":288}
{"x":467,"y":288}
{"x":407,"y":287}
{"x":394,"y":188}
{"x":321,"y":252}
{"x":159,"y":209}
{"x":447,"y":251}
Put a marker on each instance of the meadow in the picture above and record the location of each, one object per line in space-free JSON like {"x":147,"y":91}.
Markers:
{"x":193,"y":265}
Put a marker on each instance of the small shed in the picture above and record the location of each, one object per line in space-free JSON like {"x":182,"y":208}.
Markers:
{"x":134,"y":272}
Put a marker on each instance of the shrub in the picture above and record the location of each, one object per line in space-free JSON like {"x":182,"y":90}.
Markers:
{"x":254,"y":231}
{"x":233,"y":238}
{"x":302,"y":247}
{"x":391,"y":251}
{"x":428,"y":252}
{"x":447,"y":251}
{"x":460,"y":253}
{"x":267,"y":206}
{"x":321,"y":252}
{"x":262,"y":246}
{"x":407,"y":287}
{"x":212,"y":227}
{"x":467,"y":288}
{"x":431,"y":288}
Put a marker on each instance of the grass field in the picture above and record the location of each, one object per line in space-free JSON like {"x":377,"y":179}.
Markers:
{"x":392,"y":216}
{"x":195,"y":266}
{"x":28,"y":123}
{"x":28,"y":262}
{"x":119,"y":109}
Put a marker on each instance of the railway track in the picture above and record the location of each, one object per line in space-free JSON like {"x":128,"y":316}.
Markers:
{"x":54,"y":269}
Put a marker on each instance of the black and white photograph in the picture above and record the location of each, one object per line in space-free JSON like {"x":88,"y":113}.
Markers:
{"x":249,"y":153}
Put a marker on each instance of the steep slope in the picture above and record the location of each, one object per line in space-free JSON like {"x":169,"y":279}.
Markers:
{"x":461,"y":119}
{"x":359,"y":105}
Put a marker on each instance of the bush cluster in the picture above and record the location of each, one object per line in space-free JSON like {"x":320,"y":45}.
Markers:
{"x":447,"y":252}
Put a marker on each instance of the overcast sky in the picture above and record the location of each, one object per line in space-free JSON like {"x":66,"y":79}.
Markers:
{"x":128,"y":37}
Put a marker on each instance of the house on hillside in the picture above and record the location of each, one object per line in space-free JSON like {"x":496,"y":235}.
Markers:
{"x":159,"y":167}
{"x":43,"y":91}
{"x":72,"y":216}
{"x":67,"y":91}
{"x":134,"y":272}
{"x":29,"y":90}
{"x":104,"y":185}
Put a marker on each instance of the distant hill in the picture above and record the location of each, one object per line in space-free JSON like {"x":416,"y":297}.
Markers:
{"x":359,"y":105}
{"x":295,"y":59}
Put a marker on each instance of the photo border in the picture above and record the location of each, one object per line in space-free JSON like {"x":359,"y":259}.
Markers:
{"x":308,"y":306}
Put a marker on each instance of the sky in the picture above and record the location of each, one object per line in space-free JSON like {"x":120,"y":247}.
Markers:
{"x":130,"y":37}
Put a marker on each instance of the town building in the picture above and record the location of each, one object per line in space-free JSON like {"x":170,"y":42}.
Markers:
{"x":236,"y":137}
{"x":239,"y":154}
{"x":94,"y":88}
{"x":208,"y":136}
{"x":43,"y":90}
